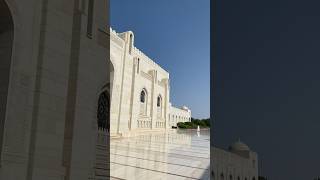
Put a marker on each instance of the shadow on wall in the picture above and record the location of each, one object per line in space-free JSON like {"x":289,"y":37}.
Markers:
{"x":6,"y":42}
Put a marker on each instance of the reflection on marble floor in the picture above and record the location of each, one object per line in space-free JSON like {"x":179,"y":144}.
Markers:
{"x":175,"y":154}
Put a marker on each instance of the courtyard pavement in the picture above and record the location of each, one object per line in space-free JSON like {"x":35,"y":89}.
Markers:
{"x":174,"y":154}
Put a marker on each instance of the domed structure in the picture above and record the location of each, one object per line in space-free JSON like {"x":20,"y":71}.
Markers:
{"x":239,"y":146}
{"x":185,"y":108}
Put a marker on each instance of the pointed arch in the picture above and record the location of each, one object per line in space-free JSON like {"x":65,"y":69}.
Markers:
{"x":143,"y":101}
{"x":103,"y":111}
{"x":159,"y":101}
{"x":159,"y":106}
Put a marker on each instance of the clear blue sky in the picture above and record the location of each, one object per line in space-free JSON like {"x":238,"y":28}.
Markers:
{"x":176,"y":35}
{"x":268,"y":83}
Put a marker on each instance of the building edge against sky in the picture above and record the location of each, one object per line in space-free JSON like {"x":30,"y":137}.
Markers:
{"x":139,"y":90}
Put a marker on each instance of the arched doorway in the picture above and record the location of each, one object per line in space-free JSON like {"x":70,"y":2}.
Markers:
{"x":6,"y":43}
{"x":103,"y":136}
{"x":103,"y":112}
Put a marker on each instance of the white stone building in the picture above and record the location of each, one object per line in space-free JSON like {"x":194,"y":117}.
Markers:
{"x":53,"y":78}
{"x":176,"y":115}
{"x":236,"y":163}
{"x":140,"y":90}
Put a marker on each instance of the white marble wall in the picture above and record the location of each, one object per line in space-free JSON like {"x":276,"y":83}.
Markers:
{"x":57,"y":73}
{"x":228,"y":165}
{"x":133,"y":72}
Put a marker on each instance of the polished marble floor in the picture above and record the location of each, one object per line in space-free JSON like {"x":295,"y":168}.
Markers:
{"x":175,"y":154}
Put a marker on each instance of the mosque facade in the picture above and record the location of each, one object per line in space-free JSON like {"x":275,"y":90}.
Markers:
{"x":140,"y":90}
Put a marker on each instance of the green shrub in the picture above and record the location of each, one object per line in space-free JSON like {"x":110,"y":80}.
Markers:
{"x":204,"y":123}
{"x":182,"y":125}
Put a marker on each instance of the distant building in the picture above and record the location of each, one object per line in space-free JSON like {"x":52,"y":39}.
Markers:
{"x":176,"y":115}
{"x":236,"y":163}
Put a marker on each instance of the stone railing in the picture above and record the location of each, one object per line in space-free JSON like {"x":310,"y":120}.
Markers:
{"x":144,"y":122}
{"x":160,"y":124}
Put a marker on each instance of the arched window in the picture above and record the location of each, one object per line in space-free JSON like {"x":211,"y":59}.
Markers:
{"x":143,"y":102}
{"x":238,"y":178}
{"x":230,"y":177}
{"x":159,"y":106}
{"x":103,"y":112}
{"x":159,"y":101}
{"x":253,"y":178}
{"x":143,"y":96}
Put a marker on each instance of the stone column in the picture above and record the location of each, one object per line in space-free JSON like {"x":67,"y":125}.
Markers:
{"x":166,"y":105}
{"x":126,"y":56}
{"x":132,"y":120}
{"x":152,"y":108}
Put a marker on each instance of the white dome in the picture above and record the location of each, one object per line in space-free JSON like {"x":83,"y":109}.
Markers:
{"x":239,"y":146}
{"x":185,"y":108}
